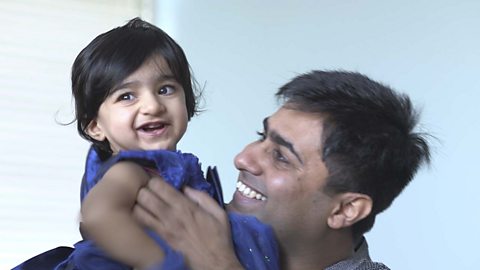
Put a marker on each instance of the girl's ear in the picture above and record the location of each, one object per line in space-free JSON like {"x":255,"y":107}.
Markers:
{"x":95,"y":131}
{"x":350,"y":208}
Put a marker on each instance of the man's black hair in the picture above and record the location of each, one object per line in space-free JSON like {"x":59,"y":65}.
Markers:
{"x":368,"y":144}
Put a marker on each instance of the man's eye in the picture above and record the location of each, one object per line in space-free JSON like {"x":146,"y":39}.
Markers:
{"x":277,"y":155}
{"x":125,"y":96}
{"x":262,"y":135}
{"x":166,"y":90}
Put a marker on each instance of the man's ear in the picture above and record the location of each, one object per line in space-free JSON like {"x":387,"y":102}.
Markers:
{"x":349,"y":208}
{"x":95,"y":131}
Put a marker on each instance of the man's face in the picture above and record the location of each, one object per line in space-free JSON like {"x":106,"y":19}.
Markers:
{"x":282,"y":176}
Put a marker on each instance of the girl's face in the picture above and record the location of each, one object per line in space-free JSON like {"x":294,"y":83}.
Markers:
{"x":146,"y":111}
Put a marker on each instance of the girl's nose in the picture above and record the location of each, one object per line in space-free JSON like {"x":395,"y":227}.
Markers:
{"x":151,"y":104}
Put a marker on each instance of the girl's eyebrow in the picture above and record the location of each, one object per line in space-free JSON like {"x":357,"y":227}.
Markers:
{"x":166,"y":77}
{"x":160,"y":78}
{"x":123,"y":86}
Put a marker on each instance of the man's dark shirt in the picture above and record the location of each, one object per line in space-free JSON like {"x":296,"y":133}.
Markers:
{"x":359,"y":261}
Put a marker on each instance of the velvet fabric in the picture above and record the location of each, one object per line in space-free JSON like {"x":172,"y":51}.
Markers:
{"x":254,"y":242}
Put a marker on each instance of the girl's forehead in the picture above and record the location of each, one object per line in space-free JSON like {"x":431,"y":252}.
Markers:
{"x":158,"y":62}
{"x":154,"y":67}
{"x":153,"y":71}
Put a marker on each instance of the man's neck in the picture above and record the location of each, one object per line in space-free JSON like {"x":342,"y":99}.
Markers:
{"x":319,"y":254}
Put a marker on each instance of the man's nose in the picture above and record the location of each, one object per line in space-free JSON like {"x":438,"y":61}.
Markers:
{"x":248,"y":159}
{"x":151,"y":104}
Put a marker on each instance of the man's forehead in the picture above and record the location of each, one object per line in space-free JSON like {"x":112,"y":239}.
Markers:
{"x":289,"y":116}
{"x":303,"y":130}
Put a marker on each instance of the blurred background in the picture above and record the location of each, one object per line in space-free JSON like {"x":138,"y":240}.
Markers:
{"x":241,"y":52}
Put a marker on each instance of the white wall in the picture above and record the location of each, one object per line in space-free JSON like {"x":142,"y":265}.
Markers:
{"x":42,"y":161}
{"x":244,"y":50}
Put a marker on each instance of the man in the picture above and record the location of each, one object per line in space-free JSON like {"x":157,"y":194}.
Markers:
{"x":336,"y":154}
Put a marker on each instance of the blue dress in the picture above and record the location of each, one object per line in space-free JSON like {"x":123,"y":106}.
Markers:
{"x":254,"y":242}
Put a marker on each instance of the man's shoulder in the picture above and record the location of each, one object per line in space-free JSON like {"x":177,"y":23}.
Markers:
{"x":369,"y":265}
{"x":359,"y":261}
{"x":359,"y":265}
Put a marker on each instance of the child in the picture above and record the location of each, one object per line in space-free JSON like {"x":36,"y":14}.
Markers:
{"x":133,"y":96}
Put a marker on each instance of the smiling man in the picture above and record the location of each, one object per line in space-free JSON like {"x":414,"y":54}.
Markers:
{"x":339,"y":150}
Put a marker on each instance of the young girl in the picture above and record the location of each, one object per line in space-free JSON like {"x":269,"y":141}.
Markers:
{"x":133,"y":96}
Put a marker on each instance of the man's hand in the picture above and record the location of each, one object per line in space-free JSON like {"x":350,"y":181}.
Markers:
{"x":191,"y":223}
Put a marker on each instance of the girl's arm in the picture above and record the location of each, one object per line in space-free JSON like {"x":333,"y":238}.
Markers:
{"x":107,"y":217}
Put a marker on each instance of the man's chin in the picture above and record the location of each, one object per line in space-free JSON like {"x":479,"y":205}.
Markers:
{"x":230,"y":207}
{"x":243,"y":205}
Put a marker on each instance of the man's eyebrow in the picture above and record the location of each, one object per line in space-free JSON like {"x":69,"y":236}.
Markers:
{"x":278,"y":139}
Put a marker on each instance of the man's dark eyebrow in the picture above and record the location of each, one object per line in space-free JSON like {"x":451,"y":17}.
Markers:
{"x":278,"y":139}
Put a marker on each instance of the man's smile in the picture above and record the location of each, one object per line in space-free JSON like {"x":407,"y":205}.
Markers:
{"x":249,"y":192}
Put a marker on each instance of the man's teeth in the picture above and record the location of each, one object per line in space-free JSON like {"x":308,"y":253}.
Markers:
{"x":249,"y":192}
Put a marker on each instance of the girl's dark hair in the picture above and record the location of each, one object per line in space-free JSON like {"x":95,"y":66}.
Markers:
{"x":368,"y":141}
{"x":113,"y":56}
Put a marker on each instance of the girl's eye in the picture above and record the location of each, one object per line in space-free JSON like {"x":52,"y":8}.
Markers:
{"x":125,"y":96}
{"x":262,"y":136}
{"x":166,"y":90}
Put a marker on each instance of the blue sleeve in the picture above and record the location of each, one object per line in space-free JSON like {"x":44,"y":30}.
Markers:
{"x":173,"y":261}
{"x":254,"y":242}
{"x":178,"y":169}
